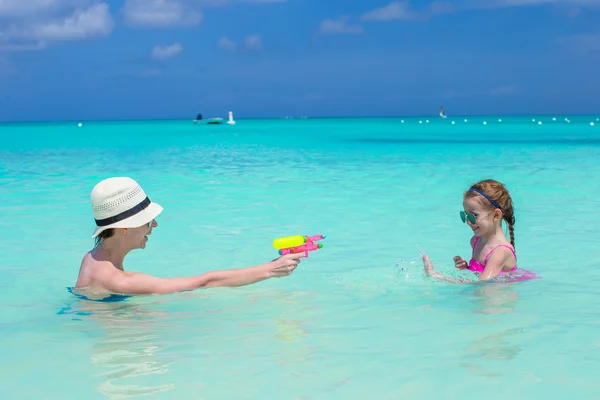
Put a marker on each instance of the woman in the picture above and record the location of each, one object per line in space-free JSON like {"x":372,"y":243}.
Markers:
{"x":125,"y":217}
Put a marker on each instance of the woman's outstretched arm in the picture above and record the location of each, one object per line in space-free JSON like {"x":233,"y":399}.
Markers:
{"x":117,"y":281}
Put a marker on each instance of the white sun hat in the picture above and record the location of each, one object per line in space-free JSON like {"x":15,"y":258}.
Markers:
{"x":120,"y":202}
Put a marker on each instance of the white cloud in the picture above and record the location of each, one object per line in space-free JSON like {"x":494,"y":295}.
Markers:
{"x":396,"y":10}
{"x":227,"y":44}
{"x":400,"y":10}
{"x":525,"y":3}
{"x":530,"y":2}
{"x":161,"y":13}
{"x":253,"y":42}
{"x":28,"y":28}
{"x":340,"y":26}
{"x":163,"y":52}
{"x":82,"y":24}
{"x":213,"y":3}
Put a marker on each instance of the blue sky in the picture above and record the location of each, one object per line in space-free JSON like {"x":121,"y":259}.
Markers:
{"x":89,"y":59}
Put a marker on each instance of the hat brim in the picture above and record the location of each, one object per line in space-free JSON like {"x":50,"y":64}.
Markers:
{"x":135,"y":221}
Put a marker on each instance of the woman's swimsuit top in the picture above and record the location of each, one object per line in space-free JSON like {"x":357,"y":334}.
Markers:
{"x":475,"y":266}
{"x":112,"y":298}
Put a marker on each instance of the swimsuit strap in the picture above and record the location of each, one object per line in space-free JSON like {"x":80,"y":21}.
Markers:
{"x":500,"y":245}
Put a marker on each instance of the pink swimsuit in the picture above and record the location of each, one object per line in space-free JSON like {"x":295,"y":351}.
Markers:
{"x":475,"y":266}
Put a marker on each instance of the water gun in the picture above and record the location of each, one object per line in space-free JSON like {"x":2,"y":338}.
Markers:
{"x":297,"y":244}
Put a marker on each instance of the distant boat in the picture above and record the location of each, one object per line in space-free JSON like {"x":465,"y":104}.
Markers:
{"x":214,"y":121}
{"x":210,"y":121}
{"x":442,"y":112}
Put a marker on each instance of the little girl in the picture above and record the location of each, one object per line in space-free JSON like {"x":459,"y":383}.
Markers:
{"x":485,"y":205}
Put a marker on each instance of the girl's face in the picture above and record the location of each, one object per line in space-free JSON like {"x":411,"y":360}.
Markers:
{"x":480,"y":219}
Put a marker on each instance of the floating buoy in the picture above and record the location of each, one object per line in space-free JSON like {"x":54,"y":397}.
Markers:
{"x":231,"y":121}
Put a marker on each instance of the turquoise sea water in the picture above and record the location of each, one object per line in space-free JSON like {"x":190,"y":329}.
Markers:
{"x":357,"y":319}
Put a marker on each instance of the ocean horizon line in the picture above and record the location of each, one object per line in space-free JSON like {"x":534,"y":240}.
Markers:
{"x":305,"y":117}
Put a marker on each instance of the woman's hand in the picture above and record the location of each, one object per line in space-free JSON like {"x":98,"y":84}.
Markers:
{"x":113,"y":280}
{"x":284,"y":265}
{"x":460,"y":263}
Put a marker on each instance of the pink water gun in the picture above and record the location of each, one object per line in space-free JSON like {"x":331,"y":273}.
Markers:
{"x":298,"y":244}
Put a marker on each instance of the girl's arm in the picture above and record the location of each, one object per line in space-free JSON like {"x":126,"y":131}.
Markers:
{"x":496,"y":262}
{"x":430,"y":272}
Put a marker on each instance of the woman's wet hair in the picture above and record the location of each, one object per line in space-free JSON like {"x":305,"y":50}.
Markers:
{"x":498,"y":193}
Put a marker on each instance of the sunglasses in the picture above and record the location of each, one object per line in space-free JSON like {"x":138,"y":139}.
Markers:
{"x":472,"y":218}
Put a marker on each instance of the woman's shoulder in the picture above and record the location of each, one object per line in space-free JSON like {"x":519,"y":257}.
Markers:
{"x":94,"y":260}
{"x":90,"y":269}
{"x":87,"y":263}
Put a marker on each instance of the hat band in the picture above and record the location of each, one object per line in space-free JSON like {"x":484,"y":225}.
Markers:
{"x":124,"y":215}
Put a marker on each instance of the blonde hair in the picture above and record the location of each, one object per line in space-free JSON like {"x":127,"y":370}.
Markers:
{"x":497,"y":193}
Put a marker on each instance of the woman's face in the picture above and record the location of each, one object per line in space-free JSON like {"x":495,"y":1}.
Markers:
{"x":138,"y":237}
